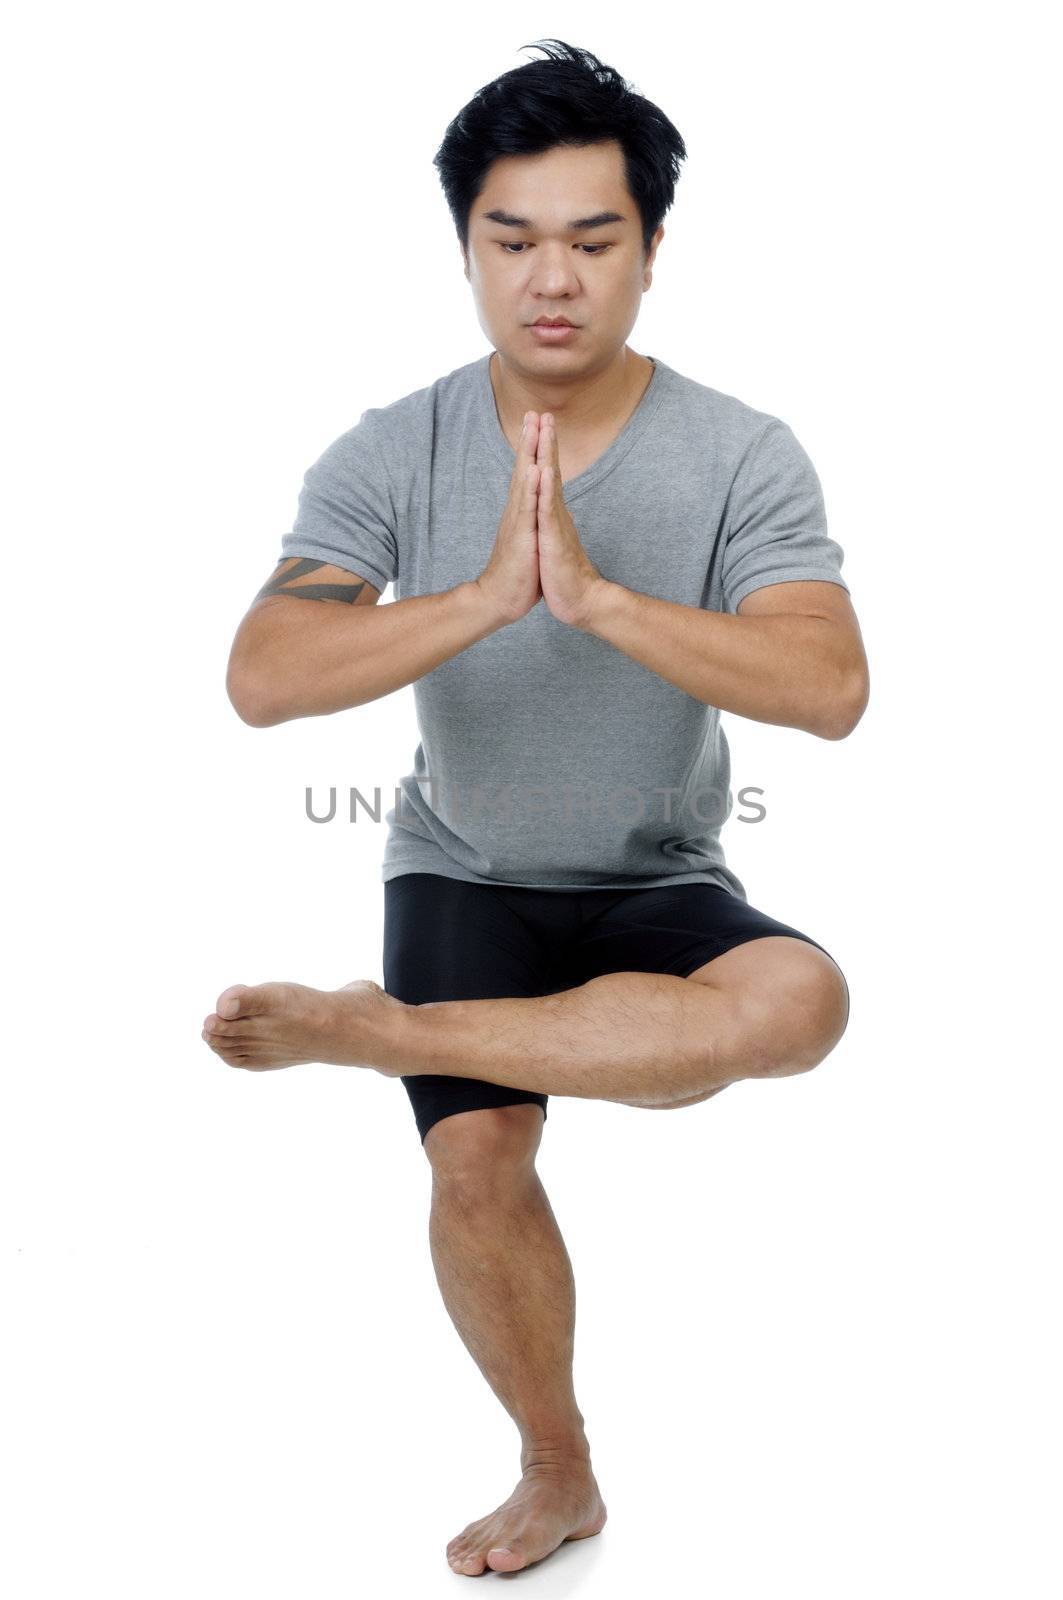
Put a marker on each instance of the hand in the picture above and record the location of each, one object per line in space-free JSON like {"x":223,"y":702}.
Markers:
{"x":571,"y":583}
{"x":510,"y":579}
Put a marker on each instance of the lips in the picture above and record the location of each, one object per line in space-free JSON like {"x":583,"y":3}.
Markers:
{"x":553,"y":322}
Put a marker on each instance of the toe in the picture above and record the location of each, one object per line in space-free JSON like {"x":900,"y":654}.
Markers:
{"x":467,"y":1561}
{"x":506,"y":1557}
{"x":236,"y":1001}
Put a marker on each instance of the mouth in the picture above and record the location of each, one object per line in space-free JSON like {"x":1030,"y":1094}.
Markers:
{"x":553,"y":322}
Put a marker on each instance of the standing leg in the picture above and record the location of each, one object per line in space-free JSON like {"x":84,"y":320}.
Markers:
{"x":507,"y":1283}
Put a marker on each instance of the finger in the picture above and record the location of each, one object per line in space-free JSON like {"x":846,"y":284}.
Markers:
{"x":525,"y":455}
{"x":531,"y":497}
{"x":529,"y":437}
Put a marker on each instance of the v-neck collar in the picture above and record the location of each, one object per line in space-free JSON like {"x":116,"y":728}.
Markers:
{"x":629,"y":434}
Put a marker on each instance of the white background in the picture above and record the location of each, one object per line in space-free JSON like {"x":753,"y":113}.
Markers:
{"x":817,"y":1334}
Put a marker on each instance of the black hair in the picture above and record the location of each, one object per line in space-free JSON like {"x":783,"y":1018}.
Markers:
{"x":570,"y":98}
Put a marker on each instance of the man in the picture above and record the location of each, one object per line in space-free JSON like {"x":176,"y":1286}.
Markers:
{"x":593,"y":555}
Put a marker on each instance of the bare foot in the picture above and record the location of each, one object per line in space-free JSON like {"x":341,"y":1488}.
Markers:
{"x":267,"y":1025}
{"x":544,"y":1510}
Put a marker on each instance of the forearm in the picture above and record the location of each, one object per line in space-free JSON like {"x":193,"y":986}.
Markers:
{"x":310,"y":658}
{"x":794,"y":671}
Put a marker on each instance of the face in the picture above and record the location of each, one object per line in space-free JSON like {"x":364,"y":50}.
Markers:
{"x":543,"y":266}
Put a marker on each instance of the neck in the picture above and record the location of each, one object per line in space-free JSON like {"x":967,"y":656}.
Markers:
{"x":581,"y":404}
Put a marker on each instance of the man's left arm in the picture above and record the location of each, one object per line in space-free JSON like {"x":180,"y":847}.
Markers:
{"x":791,"y":654}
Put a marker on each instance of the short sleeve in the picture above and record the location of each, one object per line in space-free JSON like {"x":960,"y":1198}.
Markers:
{"x":775,"y":528}
{"x":346,"y":515}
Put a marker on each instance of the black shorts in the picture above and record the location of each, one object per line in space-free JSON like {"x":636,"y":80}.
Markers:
{"x":445,"y":939}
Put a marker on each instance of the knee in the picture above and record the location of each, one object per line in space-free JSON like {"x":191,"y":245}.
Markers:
{"x":481,"y":1149}
{"x":809,"y":1011}
{"x":819,"y":1001}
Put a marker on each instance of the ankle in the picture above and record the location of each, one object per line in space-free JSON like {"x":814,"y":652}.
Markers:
{"x":562,"y":1453}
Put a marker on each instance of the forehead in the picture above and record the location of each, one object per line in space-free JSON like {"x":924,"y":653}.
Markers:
{"x":552,"y":188}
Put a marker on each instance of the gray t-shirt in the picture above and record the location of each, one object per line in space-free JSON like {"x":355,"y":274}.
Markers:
{"x":548,"y":758}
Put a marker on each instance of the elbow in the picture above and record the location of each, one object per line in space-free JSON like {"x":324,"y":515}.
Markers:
{"x":846,"y":708}
{"x":250,"y":701}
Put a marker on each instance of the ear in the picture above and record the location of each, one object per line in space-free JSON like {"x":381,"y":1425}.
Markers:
{"x":651,"y":255}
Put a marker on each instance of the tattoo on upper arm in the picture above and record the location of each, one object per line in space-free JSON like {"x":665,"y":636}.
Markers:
{"x":279,"y":584}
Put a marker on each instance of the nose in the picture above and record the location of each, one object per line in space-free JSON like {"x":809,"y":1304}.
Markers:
{"x":554,"y":272}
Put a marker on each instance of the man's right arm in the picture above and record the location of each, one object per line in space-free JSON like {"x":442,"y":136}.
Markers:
{"x":314,"y":641}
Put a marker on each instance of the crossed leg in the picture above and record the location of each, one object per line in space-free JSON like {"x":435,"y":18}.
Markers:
{"x":769,"y":1007}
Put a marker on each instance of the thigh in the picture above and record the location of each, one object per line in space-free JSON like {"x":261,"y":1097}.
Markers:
{"x":676,"y":929}
{"x":449,"y":940}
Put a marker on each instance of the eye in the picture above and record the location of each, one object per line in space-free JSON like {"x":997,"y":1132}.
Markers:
{"x":519,"y":245}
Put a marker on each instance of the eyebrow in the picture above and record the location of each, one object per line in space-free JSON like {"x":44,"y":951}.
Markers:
{"x":505,"y":219}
